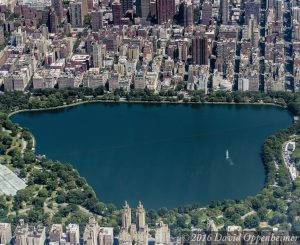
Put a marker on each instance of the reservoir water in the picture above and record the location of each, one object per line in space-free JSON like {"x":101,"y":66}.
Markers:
{"x":164,"y":155}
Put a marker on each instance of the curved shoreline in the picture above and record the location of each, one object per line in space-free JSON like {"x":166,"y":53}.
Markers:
{"x":146,"y":102}
{"x":12,"y":110}
{"x":141,"y":102}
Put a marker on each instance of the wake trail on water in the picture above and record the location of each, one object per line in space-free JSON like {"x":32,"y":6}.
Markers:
{"x":231,"y":163}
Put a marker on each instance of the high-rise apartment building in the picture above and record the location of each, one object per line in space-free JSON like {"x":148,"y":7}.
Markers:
{"x":106,"y":236}
{"x":162,"y":234}
{"x":142,"y":227}
{"x":142,"y":8}
{"x":55,"y":233}
{"x":58,"y":7}
{"x":126,"y":217}
{"x":116,"y":12}
{"x":76,"y":14}
{"x":165,"y":10}
{"x":5,"y":233}
{"x":140,"y":217}
{"x":206,"y":12}
{"x":126,"y":5}
{"x":21,"y":233}
{"x":113,"y":81}
{"x":182,"y":51}
{"x":186,"y":13}
{"x":278,"y":10}
{"x":96,"y":20}
{"x":133,"y":52}
{"x":133,"y":233}
{"x":232,"y":233}
{"x":212,"y":231}
{"x":252,"y":7}
{"x":139,"y":80}
{"x":270,"y":3}
{"x":90,"y":235}
{"x":296,"y":14}
{"x":53,"y":21}
{"x":2,"y":37}
{"x":200,"y":50}
{"x":73,"y":234}
{"x":37,"y":236}
{"x":225,"y":11}
{"x":84,"y":7}
{"x":97,"y":55}
{"x":90,"y":4}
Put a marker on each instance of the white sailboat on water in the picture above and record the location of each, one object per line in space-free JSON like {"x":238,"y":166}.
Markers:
{"x":227,"y":154}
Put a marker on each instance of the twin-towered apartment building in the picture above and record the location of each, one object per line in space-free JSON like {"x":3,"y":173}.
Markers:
{"x":93,"y":234}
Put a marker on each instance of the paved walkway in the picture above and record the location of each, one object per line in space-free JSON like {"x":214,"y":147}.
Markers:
{"x":288,"y":161}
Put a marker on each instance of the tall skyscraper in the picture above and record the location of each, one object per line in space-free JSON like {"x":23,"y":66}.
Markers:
{"x":140,"y":216}
{"x":133,"y":52}
{"x":126,"y":217}
{"x":96,"y":20}
{"x":270,"y":3}
{"x":126,"y":233}
{"x":182,"y":51}
{"x":225,"y":11}
{"x":296,"y":14}
{"x":186,"y":17}
{"x":73,"y":234}
{"x":2,"y":38}
{"x":142,"y":228}
{"x":165,"y":10}
{"x":252,"y":7}
{"x":57,"y":4}
{"x":55,"y":233}
{"x":142,"y":8}
{"x":84,"y":7}
{"x":90,"y":235}
{"x":90,"y":4}
{"x":133,"y":233}
{"x":53,"y":21}
{"x":206,"y":12}
{"x":116,"y":12}
{"x":152,"y":7}
{"x":76,"y":15}
{"x":278,"y":10}
{"x":97,"y":55}
{"x":21,"y":233}
{"x":252,"y":27}
{"x":200,"y":50}
{"x":126,"y":5}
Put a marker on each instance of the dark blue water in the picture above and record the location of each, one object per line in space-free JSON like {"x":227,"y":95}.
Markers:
{"x":163,"y":155}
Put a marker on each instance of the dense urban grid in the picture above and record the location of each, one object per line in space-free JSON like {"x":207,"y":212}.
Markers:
{"x":56,"y":53}
{"x":160,"y":45}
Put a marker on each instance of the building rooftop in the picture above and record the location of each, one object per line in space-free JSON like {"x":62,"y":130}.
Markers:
{"x":73,"y":228}
{"x":107,"y":230}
